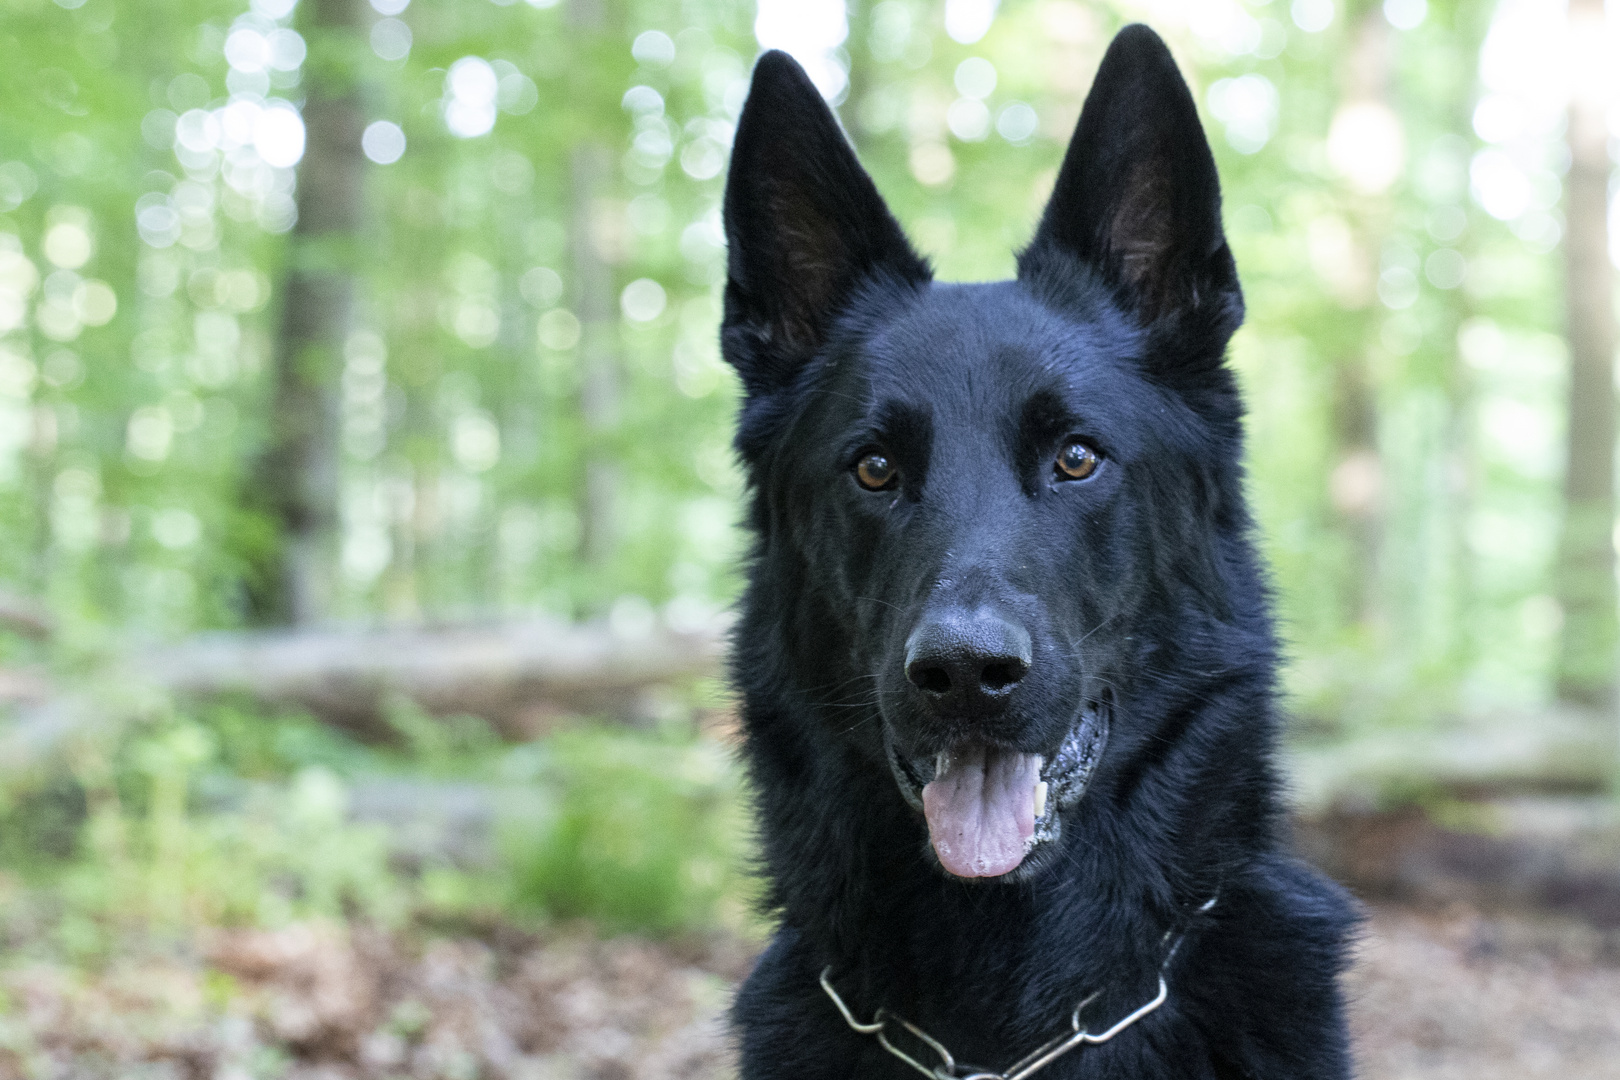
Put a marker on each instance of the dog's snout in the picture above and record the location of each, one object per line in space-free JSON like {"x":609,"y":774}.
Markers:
{"x":965,"y":661}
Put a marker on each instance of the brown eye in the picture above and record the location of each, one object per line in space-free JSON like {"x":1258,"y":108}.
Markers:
{"x":874,"y":472}
{"x":1076,"y":461}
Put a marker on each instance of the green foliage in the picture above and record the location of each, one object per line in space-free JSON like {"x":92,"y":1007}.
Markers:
{"x":141,"y":838}
{"x":234,"y":817}
{"x":644,"y":832}
{"x":1403,"y":440}
{"x":442,"y":745}
{"x":252,"y":745}
{"x":1402,"y":365}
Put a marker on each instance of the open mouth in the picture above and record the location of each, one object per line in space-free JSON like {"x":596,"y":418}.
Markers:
{"x":988,"y":808}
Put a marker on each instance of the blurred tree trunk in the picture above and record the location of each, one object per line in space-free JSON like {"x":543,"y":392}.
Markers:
{"x":590,"y":170}
{"x":1586,"y":585}
{"x":590,"y":167}
{"x":296,"y":479}
{"x":858,"y":17}
{"x":1357,"y":480}
{"x":1358,"y":474}
{"x":1460,"y":462}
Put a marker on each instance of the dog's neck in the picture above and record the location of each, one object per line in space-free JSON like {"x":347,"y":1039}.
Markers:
{"x":1002,"y":962}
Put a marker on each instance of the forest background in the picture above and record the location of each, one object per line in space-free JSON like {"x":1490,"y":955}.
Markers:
{"x":368,"y":505}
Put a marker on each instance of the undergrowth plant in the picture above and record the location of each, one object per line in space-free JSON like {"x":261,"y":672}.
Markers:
{"x":226,"y":815}
{"x":645,"y":832}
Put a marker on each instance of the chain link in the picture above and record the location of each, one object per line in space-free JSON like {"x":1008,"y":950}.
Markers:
{"x":1027,"y":1066}
{"x":1030,"y":1063}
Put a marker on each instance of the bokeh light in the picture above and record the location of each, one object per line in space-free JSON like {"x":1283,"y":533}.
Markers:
{"x":470,"y":88}
{"x":810,"y":31}
{"x":383,"y":142}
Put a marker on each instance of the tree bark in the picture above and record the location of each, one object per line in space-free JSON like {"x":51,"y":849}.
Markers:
{"x":523,"y":678}
{"x":1460,"y":463}
{"x":590,"y":169}
{"x":518,"y":676}
{"x":1357,"y":481}
{"x":26,"y":616}
{"x":1585,"y":576}
{"x":296,"y":478}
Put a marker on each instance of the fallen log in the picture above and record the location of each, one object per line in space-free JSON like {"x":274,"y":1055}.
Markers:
{"x":26,"y":616}
{"x":519,"y":676}
{"x":1535,"y":852}
{"x":1556,"y":748}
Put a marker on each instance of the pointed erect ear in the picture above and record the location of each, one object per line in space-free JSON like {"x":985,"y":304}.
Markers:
{"x":1137,"y":198}
{"x":805,"y":228}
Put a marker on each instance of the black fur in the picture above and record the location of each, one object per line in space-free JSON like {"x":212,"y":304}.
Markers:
{"x":1139,"y":590}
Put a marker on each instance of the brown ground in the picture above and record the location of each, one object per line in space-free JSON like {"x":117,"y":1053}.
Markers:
{"x":1436,"y":997}
{"x":1459,"y":996}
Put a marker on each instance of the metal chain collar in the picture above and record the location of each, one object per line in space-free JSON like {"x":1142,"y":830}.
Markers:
{"x":1029,"y":1064}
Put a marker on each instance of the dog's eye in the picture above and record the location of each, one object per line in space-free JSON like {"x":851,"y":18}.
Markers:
{"x":1076,"y":461}
{"x":875,"y":472}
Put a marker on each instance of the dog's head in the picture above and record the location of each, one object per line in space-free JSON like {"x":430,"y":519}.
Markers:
{"x":989,"y":513}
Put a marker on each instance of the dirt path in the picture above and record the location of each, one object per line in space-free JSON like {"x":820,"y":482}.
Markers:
{"x":1458,"y":996}
{"x":1452,"y":996}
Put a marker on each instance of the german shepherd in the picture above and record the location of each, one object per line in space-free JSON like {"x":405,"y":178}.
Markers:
{"x":1005,"y":655}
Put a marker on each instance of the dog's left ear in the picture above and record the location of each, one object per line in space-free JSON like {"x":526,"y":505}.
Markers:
{"x":805,"y":228}
{"x":1137,"y":197}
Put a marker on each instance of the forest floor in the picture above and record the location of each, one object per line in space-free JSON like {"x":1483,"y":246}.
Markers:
{"x":1435,"y":995}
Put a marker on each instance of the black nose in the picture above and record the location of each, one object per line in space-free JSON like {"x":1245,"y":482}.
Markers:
{"x":965,"y":661}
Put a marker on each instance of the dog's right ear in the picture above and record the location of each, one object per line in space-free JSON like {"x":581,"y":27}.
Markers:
{"x":805,"y":227}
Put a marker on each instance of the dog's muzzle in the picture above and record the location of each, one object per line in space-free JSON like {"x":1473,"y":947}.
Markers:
{"x":1055,"y":782}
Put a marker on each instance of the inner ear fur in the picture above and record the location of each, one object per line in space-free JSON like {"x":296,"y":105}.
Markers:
{"x":805,"y":228}
{"x":1137,"y":198}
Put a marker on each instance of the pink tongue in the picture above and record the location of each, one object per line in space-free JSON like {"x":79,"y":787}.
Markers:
{"x":981,"y":810}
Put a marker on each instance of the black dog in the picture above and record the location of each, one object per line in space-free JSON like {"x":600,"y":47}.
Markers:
{"x":1005,"y":654}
